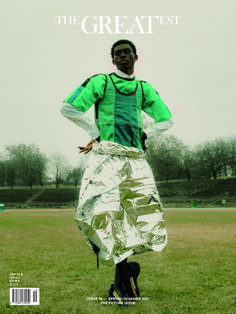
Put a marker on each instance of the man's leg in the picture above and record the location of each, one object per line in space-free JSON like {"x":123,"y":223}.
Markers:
{"x":125,"y":284}
{"x":126,"y":274}
{"x":122,"y":270}
{"x":117,"y":292}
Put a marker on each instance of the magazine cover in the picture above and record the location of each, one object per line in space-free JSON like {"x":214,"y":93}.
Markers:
{"x":117,"y":157}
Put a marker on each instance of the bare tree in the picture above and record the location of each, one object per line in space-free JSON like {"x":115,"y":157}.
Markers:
{"x":188,"y":163}
{"x":231,"y":155}
{"x":58,"y":167}
{"x":7,"y":170}
{"x":165,"y":157}
{"x":75,"y":175}
{"x":26,"y":163}
{"x":2,"y":174}
{"x":11,"y":172}
{"x":212,"y":156}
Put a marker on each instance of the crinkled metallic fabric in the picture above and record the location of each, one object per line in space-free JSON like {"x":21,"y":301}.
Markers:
{"x":119,"y":207}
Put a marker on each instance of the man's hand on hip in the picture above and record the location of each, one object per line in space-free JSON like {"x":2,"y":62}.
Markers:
{"x":88,"y":147}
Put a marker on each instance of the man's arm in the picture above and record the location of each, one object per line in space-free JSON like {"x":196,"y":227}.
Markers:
{"x":79,"y":118}
{"x":79,"y":101}
{"x":154,"y":106}
{"x":158,"y":128}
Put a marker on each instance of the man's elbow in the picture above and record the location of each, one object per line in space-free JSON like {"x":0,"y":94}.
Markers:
{"x":64,"y":108}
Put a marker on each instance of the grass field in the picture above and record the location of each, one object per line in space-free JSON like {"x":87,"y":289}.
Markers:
{"x":195,"y":274}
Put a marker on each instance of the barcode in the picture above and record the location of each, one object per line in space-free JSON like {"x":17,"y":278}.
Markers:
{"x":24,"y":296}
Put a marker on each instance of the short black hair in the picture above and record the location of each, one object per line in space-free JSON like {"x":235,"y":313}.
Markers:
{"x":120,"y":42}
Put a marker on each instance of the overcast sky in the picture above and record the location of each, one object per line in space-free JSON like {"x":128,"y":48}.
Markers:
{"x":190,"y":63}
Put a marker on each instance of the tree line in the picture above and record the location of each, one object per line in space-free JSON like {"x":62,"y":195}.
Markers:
{"x":169,"y":158}
{"x":26,"y":165}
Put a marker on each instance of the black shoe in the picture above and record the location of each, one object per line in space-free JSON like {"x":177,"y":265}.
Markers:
{"x":136,"y":271}
{"x":130,"y":283}
{"x":117,"y":295}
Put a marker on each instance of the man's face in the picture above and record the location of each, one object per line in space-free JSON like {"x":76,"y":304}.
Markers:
{"x":124,"y":58}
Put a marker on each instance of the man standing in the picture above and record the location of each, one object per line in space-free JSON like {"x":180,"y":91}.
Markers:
{"x":119,"y":210}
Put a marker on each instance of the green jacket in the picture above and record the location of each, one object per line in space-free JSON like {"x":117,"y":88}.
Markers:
{"x":118,"y":105}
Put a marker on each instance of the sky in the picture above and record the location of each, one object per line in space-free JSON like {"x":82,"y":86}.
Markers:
{"x":190,"y":62}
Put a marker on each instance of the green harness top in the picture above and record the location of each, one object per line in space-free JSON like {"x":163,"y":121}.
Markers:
{"x":119,"y":115}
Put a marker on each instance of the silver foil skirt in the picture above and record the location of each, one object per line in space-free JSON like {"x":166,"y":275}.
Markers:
{"x":119,"y":206}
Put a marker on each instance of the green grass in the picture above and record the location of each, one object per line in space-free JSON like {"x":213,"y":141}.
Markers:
{"x":195,"y":274}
